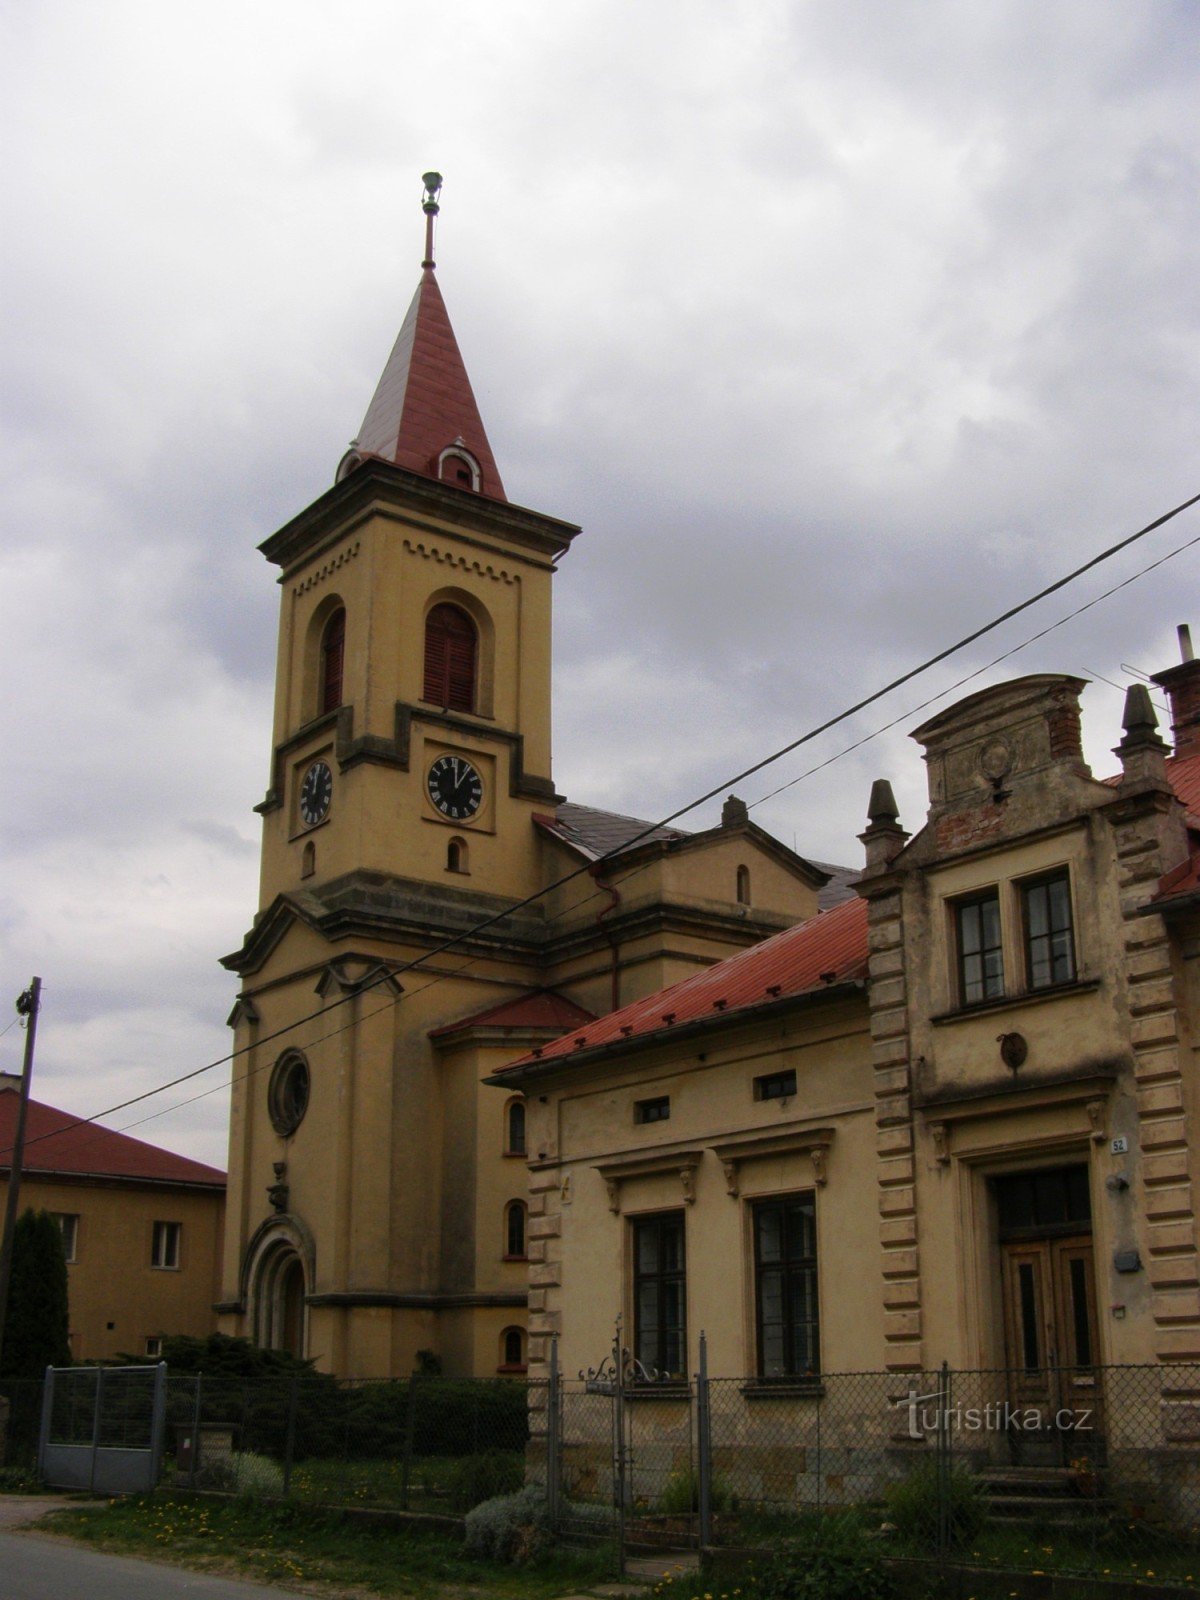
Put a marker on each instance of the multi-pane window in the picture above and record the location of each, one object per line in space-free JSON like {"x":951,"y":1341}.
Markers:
{"x":515,"y":1134}
{"x":656,"y":1110}
{"x":68,"y":1222}
{"x":164,"y":1247}
{"x":450,"y":650}
{"x":785,"y":1277}
{"x":1049,"y":938}
{"x":775,"y":1085}
{"x":659,"y":1294}
{"x":980,"y":953}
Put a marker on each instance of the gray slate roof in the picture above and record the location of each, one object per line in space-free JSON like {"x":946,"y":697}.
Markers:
{"x":597,"y":832}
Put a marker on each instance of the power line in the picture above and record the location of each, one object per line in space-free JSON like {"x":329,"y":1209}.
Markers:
{"x":758,"y":766}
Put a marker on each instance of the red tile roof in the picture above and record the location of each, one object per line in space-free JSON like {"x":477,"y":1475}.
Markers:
{"x":56,"y":1142}
{"x":827,"y":949}
{"x":540,"y":1008}
{"x":1184,"y":777}
{"x":424,"y":400}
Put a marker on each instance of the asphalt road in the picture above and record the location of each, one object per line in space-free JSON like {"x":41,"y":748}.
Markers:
{"x":45,"y":1569}
{"x":36,"y":1568}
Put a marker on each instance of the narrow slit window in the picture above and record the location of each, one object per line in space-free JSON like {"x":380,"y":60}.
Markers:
{"x":515,"y":1142}
{"x":514,"y":1231}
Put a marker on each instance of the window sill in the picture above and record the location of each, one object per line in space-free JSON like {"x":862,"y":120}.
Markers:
{"x":515,"y":1155}
{"x":512,"y":1372}
{"x":784,"y":1389}
{"x":662,"y":1389}
{"x":158,"y":1266}
{"x":522,"y":1259}
{"x":1006,"y":1002}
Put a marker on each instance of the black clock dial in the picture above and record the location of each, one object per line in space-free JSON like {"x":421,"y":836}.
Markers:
{"x":455,"y":787}
{"x":315,"y":793}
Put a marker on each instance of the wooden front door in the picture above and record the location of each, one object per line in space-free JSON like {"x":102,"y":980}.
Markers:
{"x":1050,"y":1325}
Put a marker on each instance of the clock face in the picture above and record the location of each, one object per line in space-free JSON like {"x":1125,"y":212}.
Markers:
{"x":455,"y":787}
{"x":315,"y":793}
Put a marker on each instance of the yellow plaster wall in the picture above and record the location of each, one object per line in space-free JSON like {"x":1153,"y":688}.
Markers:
{"x":112,"y":1280}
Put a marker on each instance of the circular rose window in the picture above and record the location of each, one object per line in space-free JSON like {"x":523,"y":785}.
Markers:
{"x":287,"y":1097}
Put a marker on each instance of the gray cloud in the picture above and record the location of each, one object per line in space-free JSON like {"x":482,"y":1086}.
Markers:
{"x":839,"y":327}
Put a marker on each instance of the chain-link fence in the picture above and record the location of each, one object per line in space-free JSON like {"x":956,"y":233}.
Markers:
{"x":427,"y":1444}
{"x":1081,"y":1471}
{"x":1092,"y":1471}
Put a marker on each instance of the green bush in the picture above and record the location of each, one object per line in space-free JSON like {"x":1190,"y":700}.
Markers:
{"x":514,"y":1528}
{"x":913,"y":1505}
{"x":830,"y":1559}
{"x":681,"y":1494}
{"x":244,"y":1473}
{"x":474,"y":1479}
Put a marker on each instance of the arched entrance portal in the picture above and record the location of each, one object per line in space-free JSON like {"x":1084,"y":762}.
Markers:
{"x":279,"y":1289}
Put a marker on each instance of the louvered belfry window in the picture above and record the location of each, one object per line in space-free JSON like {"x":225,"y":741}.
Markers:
{"x":450,"y":643}
{"x":333,"y":651}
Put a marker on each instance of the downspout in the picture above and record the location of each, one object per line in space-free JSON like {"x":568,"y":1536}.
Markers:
{"x":596,"y":870}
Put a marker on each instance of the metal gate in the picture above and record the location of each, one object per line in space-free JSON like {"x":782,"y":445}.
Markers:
{"x":103,"y":1428}
{"x":624,"y":1453}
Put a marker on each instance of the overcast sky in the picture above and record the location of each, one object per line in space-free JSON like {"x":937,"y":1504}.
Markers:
{"x":839,"y":326}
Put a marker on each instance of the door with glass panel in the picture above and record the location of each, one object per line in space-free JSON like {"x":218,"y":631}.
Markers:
{"x":1055,"y":1392}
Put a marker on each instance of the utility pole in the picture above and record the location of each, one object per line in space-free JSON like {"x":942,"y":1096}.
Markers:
{"x":27,"y":1005}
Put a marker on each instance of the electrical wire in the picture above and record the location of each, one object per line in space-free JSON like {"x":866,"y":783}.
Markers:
{"x":491,"y":921}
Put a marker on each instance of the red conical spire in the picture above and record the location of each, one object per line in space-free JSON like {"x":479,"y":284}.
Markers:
{"x":423,"y":414}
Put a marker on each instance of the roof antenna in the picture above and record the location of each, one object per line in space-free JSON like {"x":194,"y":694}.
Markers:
{"x":429,"y":205}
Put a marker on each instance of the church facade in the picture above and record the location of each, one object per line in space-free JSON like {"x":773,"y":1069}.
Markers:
{"x":430,"y":907}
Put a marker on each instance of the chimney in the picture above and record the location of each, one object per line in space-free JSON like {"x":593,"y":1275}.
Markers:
{"x":1182,"y":684}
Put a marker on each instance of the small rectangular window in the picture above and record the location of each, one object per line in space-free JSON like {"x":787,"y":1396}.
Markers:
{"x":68,"y":1222}
{"x":656,"y":1110}
{"x":154,"y":1346}
{"x":164,"y":1250}
{"x":775,"y":1085}
{"x":980,"y":951}
{"x":1049,"y":936}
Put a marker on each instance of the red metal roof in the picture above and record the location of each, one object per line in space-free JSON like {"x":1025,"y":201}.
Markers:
{"x":56,"y":1142}
{"x":828,"y":948}
{"x":540,"y":1008}
{"x":424,"y":400}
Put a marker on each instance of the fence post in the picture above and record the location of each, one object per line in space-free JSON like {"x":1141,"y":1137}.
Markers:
{"x":942,"y":1461}
{"x":194,"y":1462}
{"x":158,"y":1423}
{"x":289,"y":1449}
{"x":704,"y":1443}
{"x":553,"y":1478}
{"x":820,"y":1407}
{"x":47,"y":1414}
{"x":410,"y":1407}
{"x":96,"y":1428}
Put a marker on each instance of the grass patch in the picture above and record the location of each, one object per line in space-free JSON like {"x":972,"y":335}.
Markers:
{"x":293,"y":1543}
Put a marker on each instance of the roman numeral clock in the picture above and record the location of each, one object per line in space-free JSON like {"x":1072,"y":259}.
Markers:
{"x":455,"y":788}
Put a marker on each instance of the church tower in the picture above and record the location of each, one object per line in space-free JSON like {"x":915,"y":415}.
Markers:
{"x":414,"y":934}
{"x":411,"y":750}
